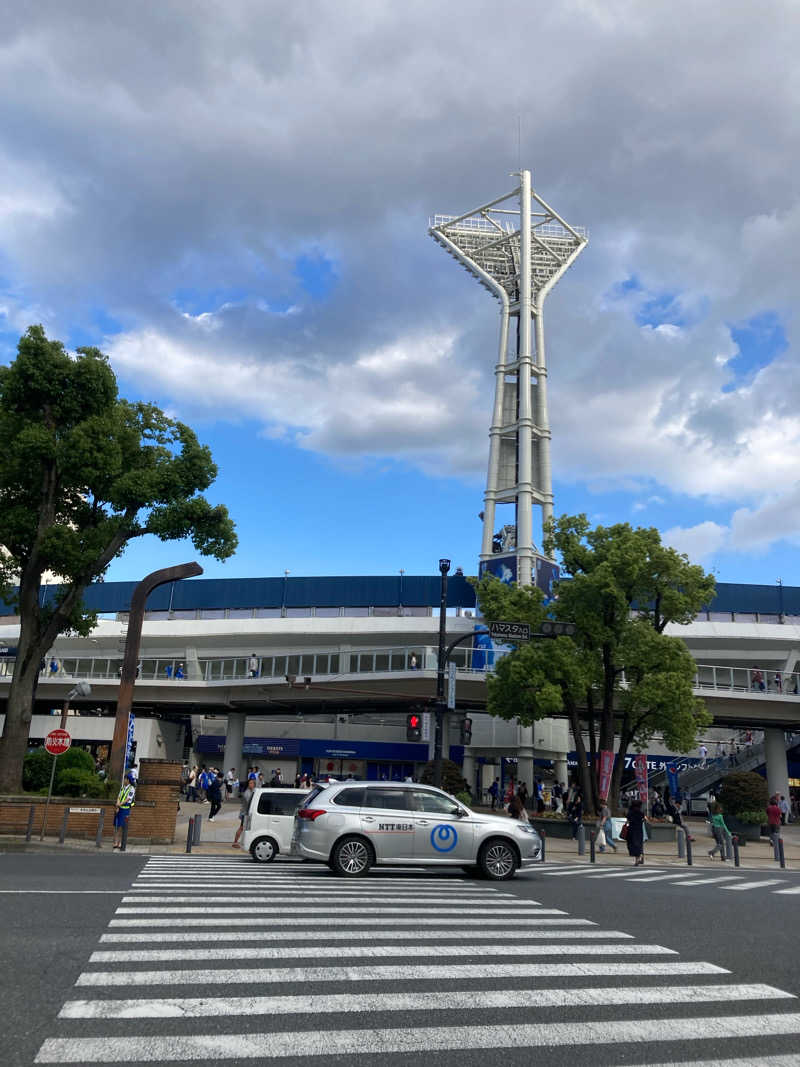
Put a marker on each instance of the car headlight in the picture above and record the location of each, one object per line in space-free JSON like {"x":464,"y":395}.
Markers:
{"x":526,"y":828}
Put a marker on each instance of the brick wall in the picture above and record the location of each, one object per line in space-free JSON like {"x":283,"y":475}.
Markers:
{"x":152,"y":820}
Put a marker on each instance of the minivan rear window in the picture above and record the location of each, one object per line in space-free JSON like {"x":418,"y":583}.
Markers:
{"x":350,"y":798}
{"x":280,"y":803}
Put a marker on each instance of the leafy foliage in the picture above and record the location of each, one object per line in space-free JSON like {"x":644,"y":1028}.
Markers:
{"x":75,"y":783}
{"x":452,"y":778}
{"x":37,"y":767}
{"x":620,"y":674}
{"x":744,"y":792}
{"x":84,"y":472}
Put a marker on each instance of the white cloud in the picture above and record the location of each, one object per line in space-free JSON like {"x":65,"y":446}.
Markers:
{"x":700,"y":543}
{"x":162,"y":151}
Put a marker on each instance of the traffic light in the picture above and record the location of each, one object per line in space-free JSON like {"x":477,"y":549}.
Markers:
{"x":414,"y":726}
{"x":466,"y":731}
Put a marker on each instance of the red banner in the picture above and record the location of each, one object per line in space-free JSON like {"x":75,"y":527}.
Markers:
{"x":640,"y":769}
{"x":604,"y":775}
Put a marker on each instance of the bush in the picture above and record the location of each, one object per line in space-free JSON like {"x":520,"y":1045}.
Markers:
{"x":754,"y":818}
{"x":464,"y":797}
{"x":38,"y":764}
{"x":452,"y":779}
{"x":78,"y":783}
{"x":743,"y":791}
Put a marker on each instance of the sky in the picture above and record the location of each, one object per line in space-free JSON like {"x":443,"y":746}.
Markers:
{"x":232,"y":199}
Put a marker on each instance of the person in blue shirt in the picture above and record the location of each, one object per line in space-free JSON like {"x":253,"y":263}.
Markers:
{"x":122,"y":811}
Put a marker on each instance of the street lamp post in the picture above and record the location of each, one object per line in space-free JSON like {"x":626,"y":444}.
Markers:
{"x":441,"y":663}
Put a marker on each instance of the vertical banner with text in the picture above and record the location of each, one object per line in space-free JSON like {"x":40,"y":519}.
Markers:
{"x":640,"y":770}
{"x":604,"y":773}
{"x":673,"y":781}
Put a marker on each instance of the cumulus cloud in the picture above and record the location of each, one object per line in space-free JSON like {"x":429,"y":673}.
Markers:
{"x":208,"y":150}
{"x":700,"y":543}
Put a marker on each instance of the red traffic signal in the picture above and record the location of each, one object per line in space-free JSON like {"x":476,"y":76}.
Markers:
{"x":414,"y":727}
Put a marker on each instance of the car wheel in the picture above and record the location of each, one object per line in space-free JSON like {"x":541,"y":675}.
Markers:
{"x":497,"y":860}
{"x":264,"y":850}
{"x":352,"y":857}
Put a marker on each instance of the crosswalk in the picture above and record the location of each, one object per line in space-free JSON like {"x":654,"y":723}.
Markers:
{"x":683,"y":878}
{"x":219,"y":960}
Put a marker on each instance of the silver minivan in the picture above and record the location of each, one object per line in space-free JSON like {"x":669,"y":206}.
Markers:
{"x":269,"y":823}
{"x":352,"y":826}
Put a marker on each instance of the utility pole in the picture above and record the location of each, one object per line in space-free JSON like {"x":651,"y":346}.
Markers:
{"x":444,"y":567}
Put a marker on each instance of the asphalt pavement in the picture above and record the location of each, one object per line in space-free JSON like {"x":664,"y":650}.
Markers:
{"x":175,"y":959}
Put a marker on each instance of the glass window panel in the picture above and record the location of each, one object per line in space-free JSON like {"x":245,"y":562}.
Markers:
{"x":350,"y":798}
{"x":298,"y":613}
{"x":306,"y":665}
{"x":744,"y":616}
{"x":768,"y":618}
{"x":366,"y":662}
{"x":333,"y":665}
{"x":212,"y":613}
{"x":268,"y":613}
{"x":183,"y":615}
{"x":382,"y":661}
{"x":327,"y":613}
{"x":720,"y":616}
{"x":356,"y":613}
{"x":391,"y":799}
{"x":240,"y":613}
{"x":293,"y":665}
{"x":433,"y":802}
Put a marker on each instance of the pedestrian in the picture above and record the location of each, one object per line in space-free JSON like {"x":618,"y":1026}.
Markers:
{"x":214,"y":794}
{"x":229,"y":780}
{"x":245,"y":797}
{"x":252,"y":666}
{"x":634,"y":839}
{"x":179,"y":672}
{"x":756,"y":679}
{"x":122,"y":809}
{"x":168,"y":671}
{"x":54,"y":666}
{"x":412,"y":663}
{"x":607,"y":828}
{"x":575,"y":812}
{"x":204,"y":781}
{"x":516,"y":809}
{"x":785,"y":809}
{"x":773,"y":818}
{"x":191,"y":785}
{"x":703,"y":753}
{"x":720,"y":832}
{"x":494,"y":793}
{"x":522,"y":793}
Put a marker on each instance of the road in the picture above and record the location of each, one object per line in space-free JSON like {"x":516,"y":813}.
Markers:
{"x":174,"y":959}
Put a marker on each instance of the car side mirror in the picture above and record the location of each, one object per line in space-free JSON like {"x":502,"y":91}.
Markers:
{"x":459,"y":813}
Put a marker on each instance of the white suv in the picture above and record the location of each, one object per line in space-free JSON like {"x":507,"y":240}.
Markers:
{"x":269,"y":822}
{"x":352,"y":826}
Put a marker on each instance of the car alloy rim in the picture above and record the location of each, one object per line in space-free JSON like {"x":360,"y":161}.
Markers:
{"x":499,"y":860}
{"x":353,"y":857}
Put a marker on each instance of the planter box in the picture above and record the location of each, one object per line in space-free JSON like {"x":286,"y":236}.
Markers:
{"x":663,"y":831}
{"x":556,"y":827}
{"x":745,"y":831}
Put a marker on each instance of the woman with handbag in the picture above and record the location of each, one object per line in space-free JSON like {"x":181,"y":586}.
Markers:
{"x":633,"y":832}
{"x":606,"y":829}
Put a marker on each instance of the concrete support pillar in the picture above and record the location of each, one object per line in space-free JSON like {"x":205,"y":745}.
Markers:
{"x":525,"y":758}
{"x":469,"y":774}
{"x":777,"y":767}
{"x":561,"y":771}
{"x":234,"y":741}
{"x":191,"y":665}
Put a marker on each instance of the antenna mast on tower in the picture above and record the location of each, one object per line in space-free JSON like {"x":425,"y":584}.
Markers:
{"x":517,"y":252}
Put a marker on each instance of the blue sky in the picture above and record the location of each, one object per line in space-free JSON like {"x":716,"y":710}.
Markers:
{"x":236,"y":212}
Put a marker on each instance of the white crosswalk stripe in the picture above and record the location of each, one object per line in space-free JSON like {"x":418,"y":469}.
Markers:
{"x":686,"y":877}
{"x":350,"y":959}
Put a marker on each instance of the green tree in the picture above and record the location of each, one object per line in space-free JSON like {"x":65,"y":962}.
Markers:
{"x":84,"y":472}
{"x":621,"y":675}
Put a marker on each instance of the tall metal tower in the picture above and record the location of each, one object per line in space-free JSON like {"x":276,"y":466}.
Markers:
{"x":517,"y":247}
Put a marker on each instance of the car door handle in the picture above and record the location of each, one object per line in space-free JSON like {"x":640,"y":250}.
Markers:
{"x":422,"y":822}
{"x":369,"y":818}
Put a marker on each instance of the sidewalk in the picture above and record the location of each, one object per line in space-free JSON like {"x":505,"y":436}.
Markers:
{"x":216,"y":839}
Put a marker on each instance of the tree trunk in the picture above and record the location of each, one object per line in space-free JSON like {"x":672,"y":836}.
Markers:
{"x":619,"y":764}
{"x":584,"y":778}
{"x":19,"y":708}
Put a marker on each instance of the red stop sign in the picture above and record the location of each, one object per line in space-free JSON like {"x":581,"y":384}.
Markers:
{"x":57,"y":742}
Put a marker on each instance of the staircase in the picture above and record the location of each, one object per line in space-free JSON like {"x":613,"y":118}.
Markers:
{"x":700,"y":780}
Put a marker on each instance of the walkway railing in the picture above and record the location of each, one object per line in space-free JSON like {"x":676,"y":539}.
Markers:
{"x":752,"y":680}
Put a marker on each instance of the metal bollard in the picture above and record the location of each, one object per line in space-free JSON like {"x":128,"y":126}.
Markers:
{"x":581,"y":840}
{"x":98,"y":837}
{"x":688,"y":848}
{"x":124,"y":841}
{"x":31,"y":817}
{"x":781,"y":856}
{"x":190,"y":834}
{"x":735,"y":840}
{"x":198,"y":823}
{"x":681,"y":844}
{"x":62,"y":833}
{"x":591,"y":846}
{"x":543,"y":836}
